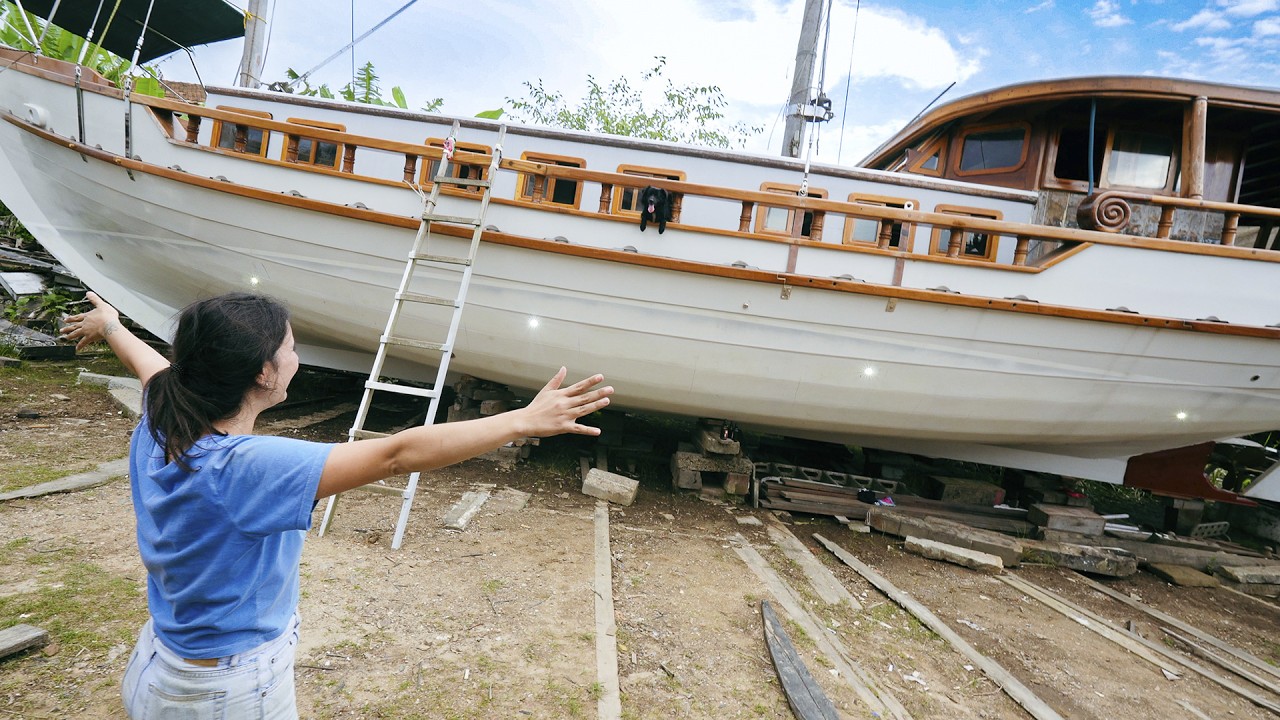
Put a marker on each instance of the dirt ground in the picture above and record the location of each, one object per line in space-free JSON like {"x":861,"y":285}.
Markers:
{"x":498,"y":621}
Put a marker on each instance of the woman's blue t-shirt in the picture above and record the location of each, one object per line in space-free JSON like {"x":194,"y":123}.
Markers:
{"x":222,"y":543}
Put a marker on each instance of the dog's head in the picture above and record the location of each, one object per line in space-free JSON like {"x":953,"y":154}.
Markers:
{"x":653,"y":200}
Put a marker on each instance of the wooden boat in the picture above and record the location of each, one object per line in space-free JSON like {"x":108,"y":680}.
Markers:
{"x":994,"y":284}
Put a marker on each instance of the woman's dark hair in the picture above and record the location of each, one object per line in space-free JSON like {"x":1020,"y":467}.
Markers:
{"x":218,"y":351}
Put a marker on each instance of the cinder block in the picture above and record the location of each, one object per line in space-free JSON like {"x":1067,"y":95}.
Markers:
{"x":609,"y":486}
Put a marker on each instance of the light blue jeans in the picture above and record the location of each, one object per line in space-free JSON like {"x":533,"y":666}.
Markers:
{"x":158,"y":684}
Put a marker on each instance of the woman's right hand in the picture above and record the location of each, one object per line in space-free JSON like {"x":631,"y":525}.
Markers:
{"x":89,"y":327}
{"x":556,"y":410}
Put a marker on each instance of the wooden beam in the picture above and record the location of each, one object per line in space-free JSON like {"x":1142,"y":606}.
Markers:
{"x":804,"y":694}
{"x":877,"y":699}
{"x":1193,"y":148}
{"x":1012,"y":687}
{"x":829,"y":589}
{"x":17,"y":638}
{"x":609,"y":704}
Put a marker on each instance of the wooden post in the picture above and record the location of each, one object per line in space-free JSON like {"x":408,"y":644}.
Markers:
{"x":1166,"y":222}
{"x":815,"y":227}
{"x":956,"y":242}
{"x":1194,"y":149}
{"x":677,"y":203}
{"x":193,"y":129}
{"x":1230,"y":225}
{"x":606,"y":194}
{"x":242,"y":137}
{"x":410,"y":167}
{"x":744,"y":220}
{"x":1020,"y":250}
{"x":291,"y":149}
{"x":885,"y":236}
{"x":348,"y":158}
{"x":539,"y":187}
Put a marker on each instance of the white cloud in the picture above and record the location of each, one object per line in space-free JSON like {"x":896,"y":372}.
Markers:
{"x":1267,"y":27}
{"x":1046,"y":5}
{"x":1248,"y":8}
{"x":1210,"y":20}
{"x":1106,"y":13}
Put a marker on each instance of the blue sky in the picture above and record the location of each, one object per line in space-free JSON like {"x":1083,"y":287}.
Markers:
{"x":903,"y":53}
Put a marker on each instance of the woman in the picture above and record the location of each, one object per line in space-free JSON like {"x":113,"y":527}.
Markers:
{"x":222,"y":512}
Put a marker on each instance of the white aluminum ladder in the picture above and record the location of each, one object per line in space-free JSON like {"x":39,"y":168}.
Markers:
{"x":420,"y":255}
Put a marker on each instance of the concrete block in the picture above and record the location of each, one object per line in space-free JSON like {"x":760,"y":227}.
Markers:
{"x":886,"y":520}
{"x":1085,"y":558}
{"x":737,"y":483}
{"x":609,"y":486}
{"x":494,"y":407}
{"x":1259,"y":574}
{"x":708,"y":463}
{"x":965,"y":491}
{"x":128,"y":400}
{"x":686,"y":479}
{"x":707,"y":436}
{"x":973,"y":559}
{"x":458,"y":414}
{"x":1183,"y":575}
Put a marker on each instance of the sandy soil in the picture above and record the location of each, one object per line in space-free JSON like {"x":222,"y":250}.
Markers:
{"x":498,"y":621}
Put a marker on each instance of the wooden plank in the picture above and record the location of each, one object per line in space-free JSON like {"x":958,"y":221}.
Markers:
{"x":820,"y":577}
{"x":1012,"y":687}
{"x":1069,"y":519}
{"x":804,"y":695}
{"x":877,"y":700}
{"x":17,"y":638}
{"x":609,"y":703}
{"x":460,"y":515}
{"x":1184,"y":627}
{"x":1154,"y":653}
{"x":1222,"y":662}
{"x":100,"y":475}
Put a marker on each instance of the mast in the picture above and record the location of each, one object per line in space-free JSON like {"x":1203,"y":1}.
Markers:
{"x":250,"y":73}
{"x":802,"y":80}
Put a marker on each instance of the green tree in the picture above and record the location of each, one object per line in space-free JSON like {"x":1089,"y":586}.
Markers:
{"x":689,"y":113}
{"x":364,"y":89}
{"x":65,"y":45}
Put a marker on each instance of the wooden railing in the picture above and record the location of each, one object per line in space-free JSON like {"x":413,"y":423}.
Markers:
{"x":1111,"y":211}
{"x":1022,"y":234}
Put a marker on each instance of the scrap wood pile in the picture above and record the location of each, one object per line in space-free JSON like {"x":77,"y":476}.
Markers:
{"x":1071,"y":536}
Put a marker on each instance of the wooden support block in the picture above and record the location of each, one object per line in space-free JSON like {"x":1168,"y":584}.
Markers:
{"x":1069,"y":519}
{"x":708,"y":438}
{"x":494,"y":407}
{"x":457,"y":413}
{"x":1255,"y":575}
{"x":1085,"y":558}
{"x":460,"y":515}
{"x":1183,"y":576}
{"x":893,"y":522}
{"x":609,"y":486}
{"x":17,"y":638}
{"x":962,"y":490}
{"x":737,"y":483}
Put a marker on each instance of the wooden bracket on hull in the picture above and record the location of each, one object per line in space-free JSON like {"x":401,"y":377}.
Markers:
{"x":1178,"y":473}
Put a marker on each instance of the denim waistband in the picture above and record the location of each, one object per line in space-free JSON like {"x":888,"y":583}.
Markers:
{"x":174,"y":658}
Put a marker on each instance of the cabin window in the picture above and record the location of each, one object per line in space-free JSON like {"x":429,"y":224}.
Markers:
{"x":872,"y":232}
{"x":469,"y":171}
{"x":562,"y":191}
{"x":1072,"y":160}
{"x":989,"y":149}
{"x":773,"y":220}
{"x":624,"y":198}
{"x":1140,"y":159}
{"x":964,"y":243}
{"x":312,"y":151}
{"x":928,"y":160}
{"x":254,"y":140}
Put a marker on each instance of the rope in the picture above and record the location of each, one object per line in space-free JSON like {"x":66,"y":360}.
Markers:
{"x":848,"y":78}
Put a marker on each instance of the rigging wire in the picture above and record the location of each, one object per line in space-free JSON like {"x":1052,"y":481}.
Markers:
{"x":271,"y":25}
{"x":329,"y":59}
{"x":848,"y":78}
{"x":353,"y":44}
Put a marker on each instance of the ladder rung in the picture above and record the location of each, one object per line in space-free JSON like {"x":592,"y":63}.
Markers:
{"x":383,"y":489}
{"x":410,"y":342}
{"x":455,"y":219}
{"x":429,"y":299}
{"x":402,"y":389}
{"x":367,"y":434}
{"x":464,"y":182}
{"x":446,"y":259}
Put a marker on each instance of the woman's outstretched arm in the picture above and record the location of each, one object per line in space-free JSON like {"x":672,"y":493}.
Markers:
{"x":103,"y":323}
{"x":555,"y":410}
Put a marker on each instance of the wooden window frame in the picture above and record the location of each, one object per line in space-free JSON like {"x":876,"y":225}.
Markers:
{"x":615,"y":204}
{"x":217,"y":130}
{"x":975,"y":129}
{"x":906,"y":232}
{"x":935,"y":235}
{"x":1170,"y":178}
{"x":482,"y":171}
{"x":292,"y":141}
{"x":548,"y":193}
{"x":762,"y":212}
{"x":916,"y":159}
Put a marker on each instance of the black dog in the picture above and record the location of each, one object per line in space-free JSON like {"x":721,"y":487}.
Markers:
{"x":655,"y":206}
